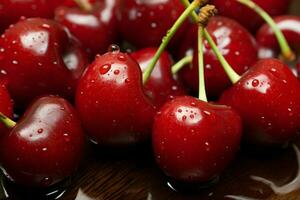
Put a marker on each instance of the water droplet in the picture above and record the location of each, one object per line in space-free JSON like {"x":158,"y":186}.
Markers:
{"x":44,"y":149}
{"x":193,"y":104}
{"x":40,"y":130}
{"x":3,"y":72}
{"x":122,"y":58}
{"x":15,"y":62}
{"x":14,"y":42}
{"x":47,"y":26}
{"x":255,"y":83}
{"x":66,"y":137}
{"x":2,"y":49}
{"x":207,"y":113}
{"x":153,"y":25}
{"x":40,"y":64}
{"x":114,"y":48}
{"x":105,"y":68}
{"x":116,"y":72}
{"x":127,"y":80}
{"x":207,"y":146}
{"x":174,"y":88}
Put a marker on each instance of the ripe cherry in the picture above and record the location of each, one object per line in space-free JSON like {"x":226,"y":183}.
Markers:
{"x":111,"y":102}
{"x":39,"y":56}
{"x":266,"y":37}
{"x":236,"y":44}
{"x":96,"y":29}
{"x":233,"y":9}
{"x":144,"y":23}
{"x":11,"y":10}
{"x":45,"y":146}
{"x":267,"y":97}
{"x":162,"y":85}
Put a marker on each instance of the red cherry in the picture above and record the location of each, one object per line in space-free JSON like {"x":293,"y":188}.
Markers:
{"x":95,"y":29}
{"x":6,"y":106}
{"x":193,"y":140}
{"x":45,"y":146}
{"x":268,"y":99}
{"x":161,"y":85}
{"x":110,"y":100}
{"x":145,"y":23}
{"x":38,"y":56}
{"x":11,"y":10}
{"x":266,"y":38}
{"x":236,"y":44}
{"x":246,"y":16}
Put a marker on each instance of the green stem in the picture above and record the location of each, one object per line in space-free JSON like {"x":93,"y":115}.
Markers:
{"x":6,"y":121}
{"x":194,"y":15}
{"x":233,"y":76}
{"x":202,"y":90}
{"x":286,"y":51}
{"x":168,"y":37}
{"x":181,"y":63}
{"x":84,"y":5}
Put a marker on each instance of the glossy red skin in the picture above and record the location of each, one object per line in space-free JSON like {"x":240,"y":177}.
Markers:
{"x":145,"y":23}
{"x":162,"y":85}
{"x":268,"y":99}
{"x":288,"y":24}
{"x":46,"y":146}
{"x":38,"y":57}
{"x":12,"y":10}
{"x":6,"y":105}
{"x":96,"y":29}
{"x":247,"y":17}
{"x":193,"y":140}
{"x":111,"y":102}
{"x":235,"y":43}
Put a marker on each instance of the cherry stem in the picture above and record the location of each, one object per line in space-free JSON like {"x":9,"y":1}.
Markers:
{"x":181,"y":63}
{"x":233,"y":76}
{"x":168,"y":37}
{"x":286,"y":51}
{"x":6,"y":121}
{"x":202,"y":90}
{"x":84,"y":5}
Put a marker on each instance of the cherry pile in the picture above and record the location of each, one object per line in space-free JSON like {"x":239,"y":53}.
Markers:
{"x":62,"y":72}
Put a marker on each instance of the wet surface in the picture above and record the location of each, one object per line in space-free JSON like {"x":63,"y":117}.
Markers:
{"x":132,"y":174}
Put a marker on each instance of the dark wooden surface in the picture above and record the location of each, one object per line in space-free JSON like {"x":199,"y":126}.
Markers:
{"x":134,"y":175}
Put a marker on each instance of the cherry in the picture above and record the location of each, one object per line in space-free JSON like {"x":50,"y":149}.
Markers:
{"x":247,"y":17}
{"x":45,"y":146}
{"x":96,"y":29}
{"x":11,"y":10}
{"x":6,"y":105}
{"x":161,"y":85}
{"x":39,"y":56}
{"x":235,"y":43}
{"x":144,"y":23}
{"x":266,"y":37}
{"x":267,"y":97}
{"x":111,"y":102}
{"x":193,"y":140}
